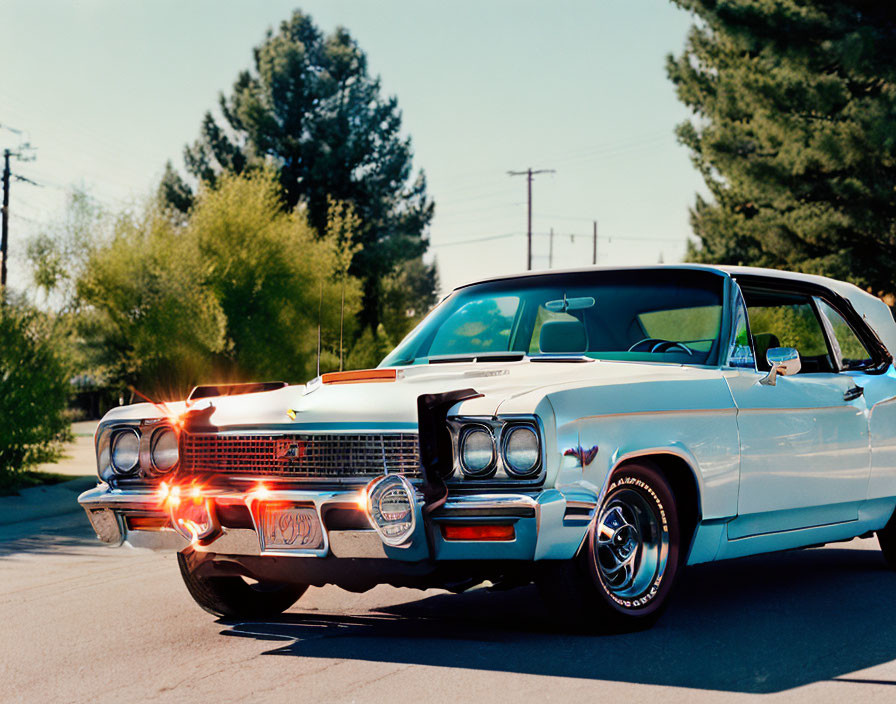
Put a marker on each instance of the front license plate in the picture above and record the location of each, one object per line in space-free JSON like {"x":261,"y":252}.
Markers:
{"x":286,"y":527}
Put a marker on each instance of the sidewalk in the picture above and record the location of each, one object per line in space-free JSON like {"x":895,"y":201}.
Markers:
{"x":44,"y":501}
{"x":40,"y":502}
{"x":80,"y":456}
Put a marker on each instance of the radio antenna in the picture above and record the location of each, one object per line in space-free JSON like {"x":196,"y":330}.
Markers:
{"x":341,"y":320}
{"x":320,"y":304}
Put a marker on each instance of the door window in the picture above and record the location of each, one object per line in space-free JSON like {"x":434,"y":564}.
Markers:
{"x":741,"y":352}
{"x":790,"y":321}
{"x":850,"y":352}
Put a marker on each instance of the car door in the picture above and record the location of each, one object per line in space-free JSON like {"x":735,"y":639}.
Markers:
{"x":878,"y":384}
{"x":805,"y":458}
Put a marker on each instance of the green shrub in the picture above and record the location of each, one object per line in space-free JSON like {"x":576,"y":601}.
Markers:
{"x":34,"y":391}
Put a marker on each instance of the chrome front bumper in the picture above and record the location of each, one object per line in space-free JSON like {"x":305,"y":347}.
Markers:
{"x":550,"y":524}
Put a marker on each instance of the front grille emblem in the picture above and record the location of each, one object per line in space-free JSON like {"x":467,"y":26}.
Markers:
{"x":289,"y":449}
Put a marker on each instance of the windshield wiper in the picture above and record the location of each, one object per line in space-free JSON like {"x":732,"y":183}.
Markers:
{"x":561,"y":357}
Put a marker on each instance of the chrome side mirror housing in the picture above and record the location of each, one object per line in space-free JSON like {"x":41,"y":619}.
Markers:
{"x":781,"y":360}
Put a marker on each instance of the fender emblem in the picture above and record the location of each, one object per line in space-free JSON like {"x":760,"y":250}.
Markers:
{"x":585,"y":457}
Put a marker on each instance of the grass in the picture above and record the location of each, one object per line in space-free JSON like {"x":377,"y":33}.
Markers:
{"x":12,"y":485}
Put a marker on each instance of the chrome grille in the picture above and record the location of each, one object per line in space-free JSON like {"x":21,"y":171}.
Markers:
{"x":302,"y":455}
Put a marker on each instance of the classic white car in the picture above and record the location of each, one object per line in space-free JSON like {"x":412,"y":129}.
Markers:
{"x":593,"y":431}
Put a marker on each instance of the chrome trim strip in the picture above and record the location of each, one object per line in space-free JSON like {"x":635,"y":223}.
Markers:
{"x":789,"y":530}
{"x":587,"y":505}
{"x":354,"y":427}
{"x":102,"y":496}
{"x":683,"y":411}
{"x":351,"y":543}
{"x":476,"y":502}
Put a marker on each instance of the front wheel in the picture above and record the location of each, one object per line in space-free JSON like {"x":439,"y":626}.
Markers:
{"x":624,"y":574}
{"x":234,"y":598}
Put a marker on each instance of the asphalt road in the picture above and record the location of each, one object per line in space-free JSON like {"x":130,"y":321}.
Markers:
{"x":81,"y":622}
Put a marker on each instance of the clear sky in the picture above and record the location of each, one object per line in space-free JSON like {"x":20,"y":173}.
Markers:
{"x":108,"y":91}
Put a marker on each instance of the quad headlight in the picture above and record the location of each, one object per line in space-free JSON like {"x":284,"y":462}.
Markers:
{"x":128,"y":451}
{"x":489,"y":448}
{"x":521,"y":451}
{"x":477,"y":450}
{"x":125,"y":451}
{"x":163,"y":450}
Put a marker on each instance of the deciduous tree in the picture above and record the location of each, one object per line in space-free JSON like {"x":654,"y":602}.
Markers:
{"x":34,"y":391}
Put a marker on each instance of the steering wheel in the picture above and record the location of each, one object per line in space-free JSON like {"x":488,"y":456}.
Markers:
{"x":655,"y":344}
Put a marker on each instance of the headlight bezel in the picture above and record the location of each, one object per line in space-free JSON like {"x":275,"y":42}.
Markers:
{"x":148,"y":431}
{"x":506,"y":435}
{"x":498,"y":474}
{"x":156,"y":436}
{"x":118,"y":436}
{"x":464,"y":436}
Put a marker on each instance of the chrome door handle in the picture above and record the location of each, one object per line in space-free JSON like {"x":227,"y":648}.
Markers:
{"x":853,"y":393}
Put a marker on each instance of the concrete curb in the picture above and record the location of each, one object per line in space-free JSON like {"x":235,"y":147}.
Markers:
{"x":44,"y":501}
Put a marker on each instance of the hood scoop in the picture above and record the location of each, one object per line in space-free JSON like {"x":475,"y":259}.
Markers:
{"x":213,"y":390}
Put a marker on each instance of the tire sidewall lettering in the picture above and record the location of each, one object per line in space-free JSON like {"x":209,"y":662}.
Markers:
{"x":626,"y":481}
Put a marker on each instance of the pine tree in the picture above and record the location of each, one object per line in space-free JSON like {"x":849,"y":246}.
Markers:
{"x":795,"y":135}
{"x":310,"y":109}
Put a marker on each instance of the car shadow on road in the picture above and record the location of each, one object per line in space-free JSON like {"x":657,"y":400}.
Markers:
{"x":66,"y":535}
{"x":757,"y":625}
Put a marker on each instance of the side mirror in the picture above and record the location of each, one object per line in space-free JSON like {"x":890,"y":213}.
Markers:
{"x":781,"y":360}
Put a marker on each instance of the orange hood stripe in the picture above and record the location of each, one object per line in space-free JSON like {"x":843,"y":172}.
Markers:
{"x":361,"y":376}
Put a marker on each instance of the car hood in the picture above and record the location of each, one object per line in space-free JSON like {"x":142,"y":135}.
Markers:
{"x":515,"y":387}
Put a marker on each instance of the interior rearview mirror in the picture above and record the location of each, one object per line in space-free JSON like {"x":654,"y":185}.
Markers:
{"x":781,"y":360}
{"x":565,"y":304}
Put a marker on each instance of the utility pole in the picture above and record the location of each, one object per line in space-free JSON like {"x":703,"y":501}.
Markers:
{"x":551,"y":251}
{"x":4,"y":211}
{"x":4,"y":238}
{"x":594,"y":248}
{"x":529,"y":173}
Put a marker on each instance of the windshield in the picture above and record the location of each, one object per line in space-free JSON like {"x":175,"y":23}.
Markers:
{"x":661,"y":315}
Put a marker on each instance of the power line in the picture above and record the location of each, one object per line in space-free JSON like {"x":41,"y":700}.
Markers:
{"x":564,"y":217}
{"x":23,"y":179}
{"x":506,"y":191}
{"x":476,"y":213}
{"x":571,"y":235}
{"x":612,"y":238}
{"x":487,"y":238}
{"x":592,"y":151}
{"x":30,"y":221}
